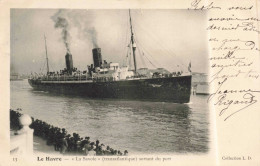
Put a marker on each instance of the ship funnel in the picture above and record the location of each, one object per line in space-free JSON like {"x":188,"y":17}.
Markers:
{"x":69,"y":62}
{"x":97,"y":57}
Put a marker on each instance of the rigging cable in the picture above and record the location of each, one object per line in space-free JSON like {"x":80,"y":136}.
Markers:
{"x":126,"y":63}
{"x":41,"y":69}
{"x":148,"y":53}
{"x":169,"y":52}
{"x":130,"y":55}
{"x":144,"y":50}
{"x":126,"y":41}
{"x":51,"y":67}
{"x":145,"y":55}
{"x":141,"y":57}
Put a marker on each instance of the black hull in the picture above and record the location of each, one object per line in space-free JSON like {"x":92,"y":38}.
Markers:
{"x":172,"y":89}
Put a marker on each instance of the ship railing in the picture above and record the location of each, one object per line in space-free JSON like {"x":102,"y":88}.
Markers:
{"x":104,"y":79}
{"x":95,"y":79}
{"x":64,"y":78}
{"x":22,"y":142}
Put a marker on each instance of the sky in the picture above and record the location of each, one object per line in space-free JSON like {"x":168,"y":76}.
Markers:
{"x":169,"y":39}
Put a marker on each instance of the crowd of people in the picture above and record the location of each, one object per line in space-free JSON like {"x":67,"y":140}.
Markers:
{"x":64,"y":142}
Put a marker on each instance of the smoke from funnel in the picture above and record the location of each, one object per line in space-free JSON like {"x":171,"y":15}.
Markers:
{"x":93,"y":35}
{"x":63,"y":24}
{"x":83,"y":21}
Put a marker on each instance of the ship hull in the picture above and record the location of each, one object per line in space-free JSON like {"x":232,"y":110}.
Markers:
{"x":172,"y":89}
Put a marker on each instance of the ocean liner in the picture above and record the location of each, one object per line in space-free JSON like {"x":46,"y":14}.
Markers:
{"x":109,"y":80}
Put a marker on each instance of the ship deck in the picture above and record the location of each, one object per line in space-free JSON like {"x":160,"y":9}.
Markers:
{"x":78,"y":81}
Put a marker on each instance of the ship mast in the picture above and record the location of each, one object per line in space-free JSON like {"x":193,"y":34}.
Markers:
{"x":132,"y":40}
{"x":46,"y":55}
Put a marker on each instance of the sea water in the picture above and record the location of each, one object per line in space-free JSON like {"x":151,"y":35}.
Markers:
{"x":141,"y":127}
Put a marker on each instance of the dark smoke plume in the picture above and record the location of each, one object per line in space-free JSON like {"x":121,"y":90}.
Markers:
{"x":82,"y":20}
{"x":91,"y":33}
{"x":63,"y":24}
